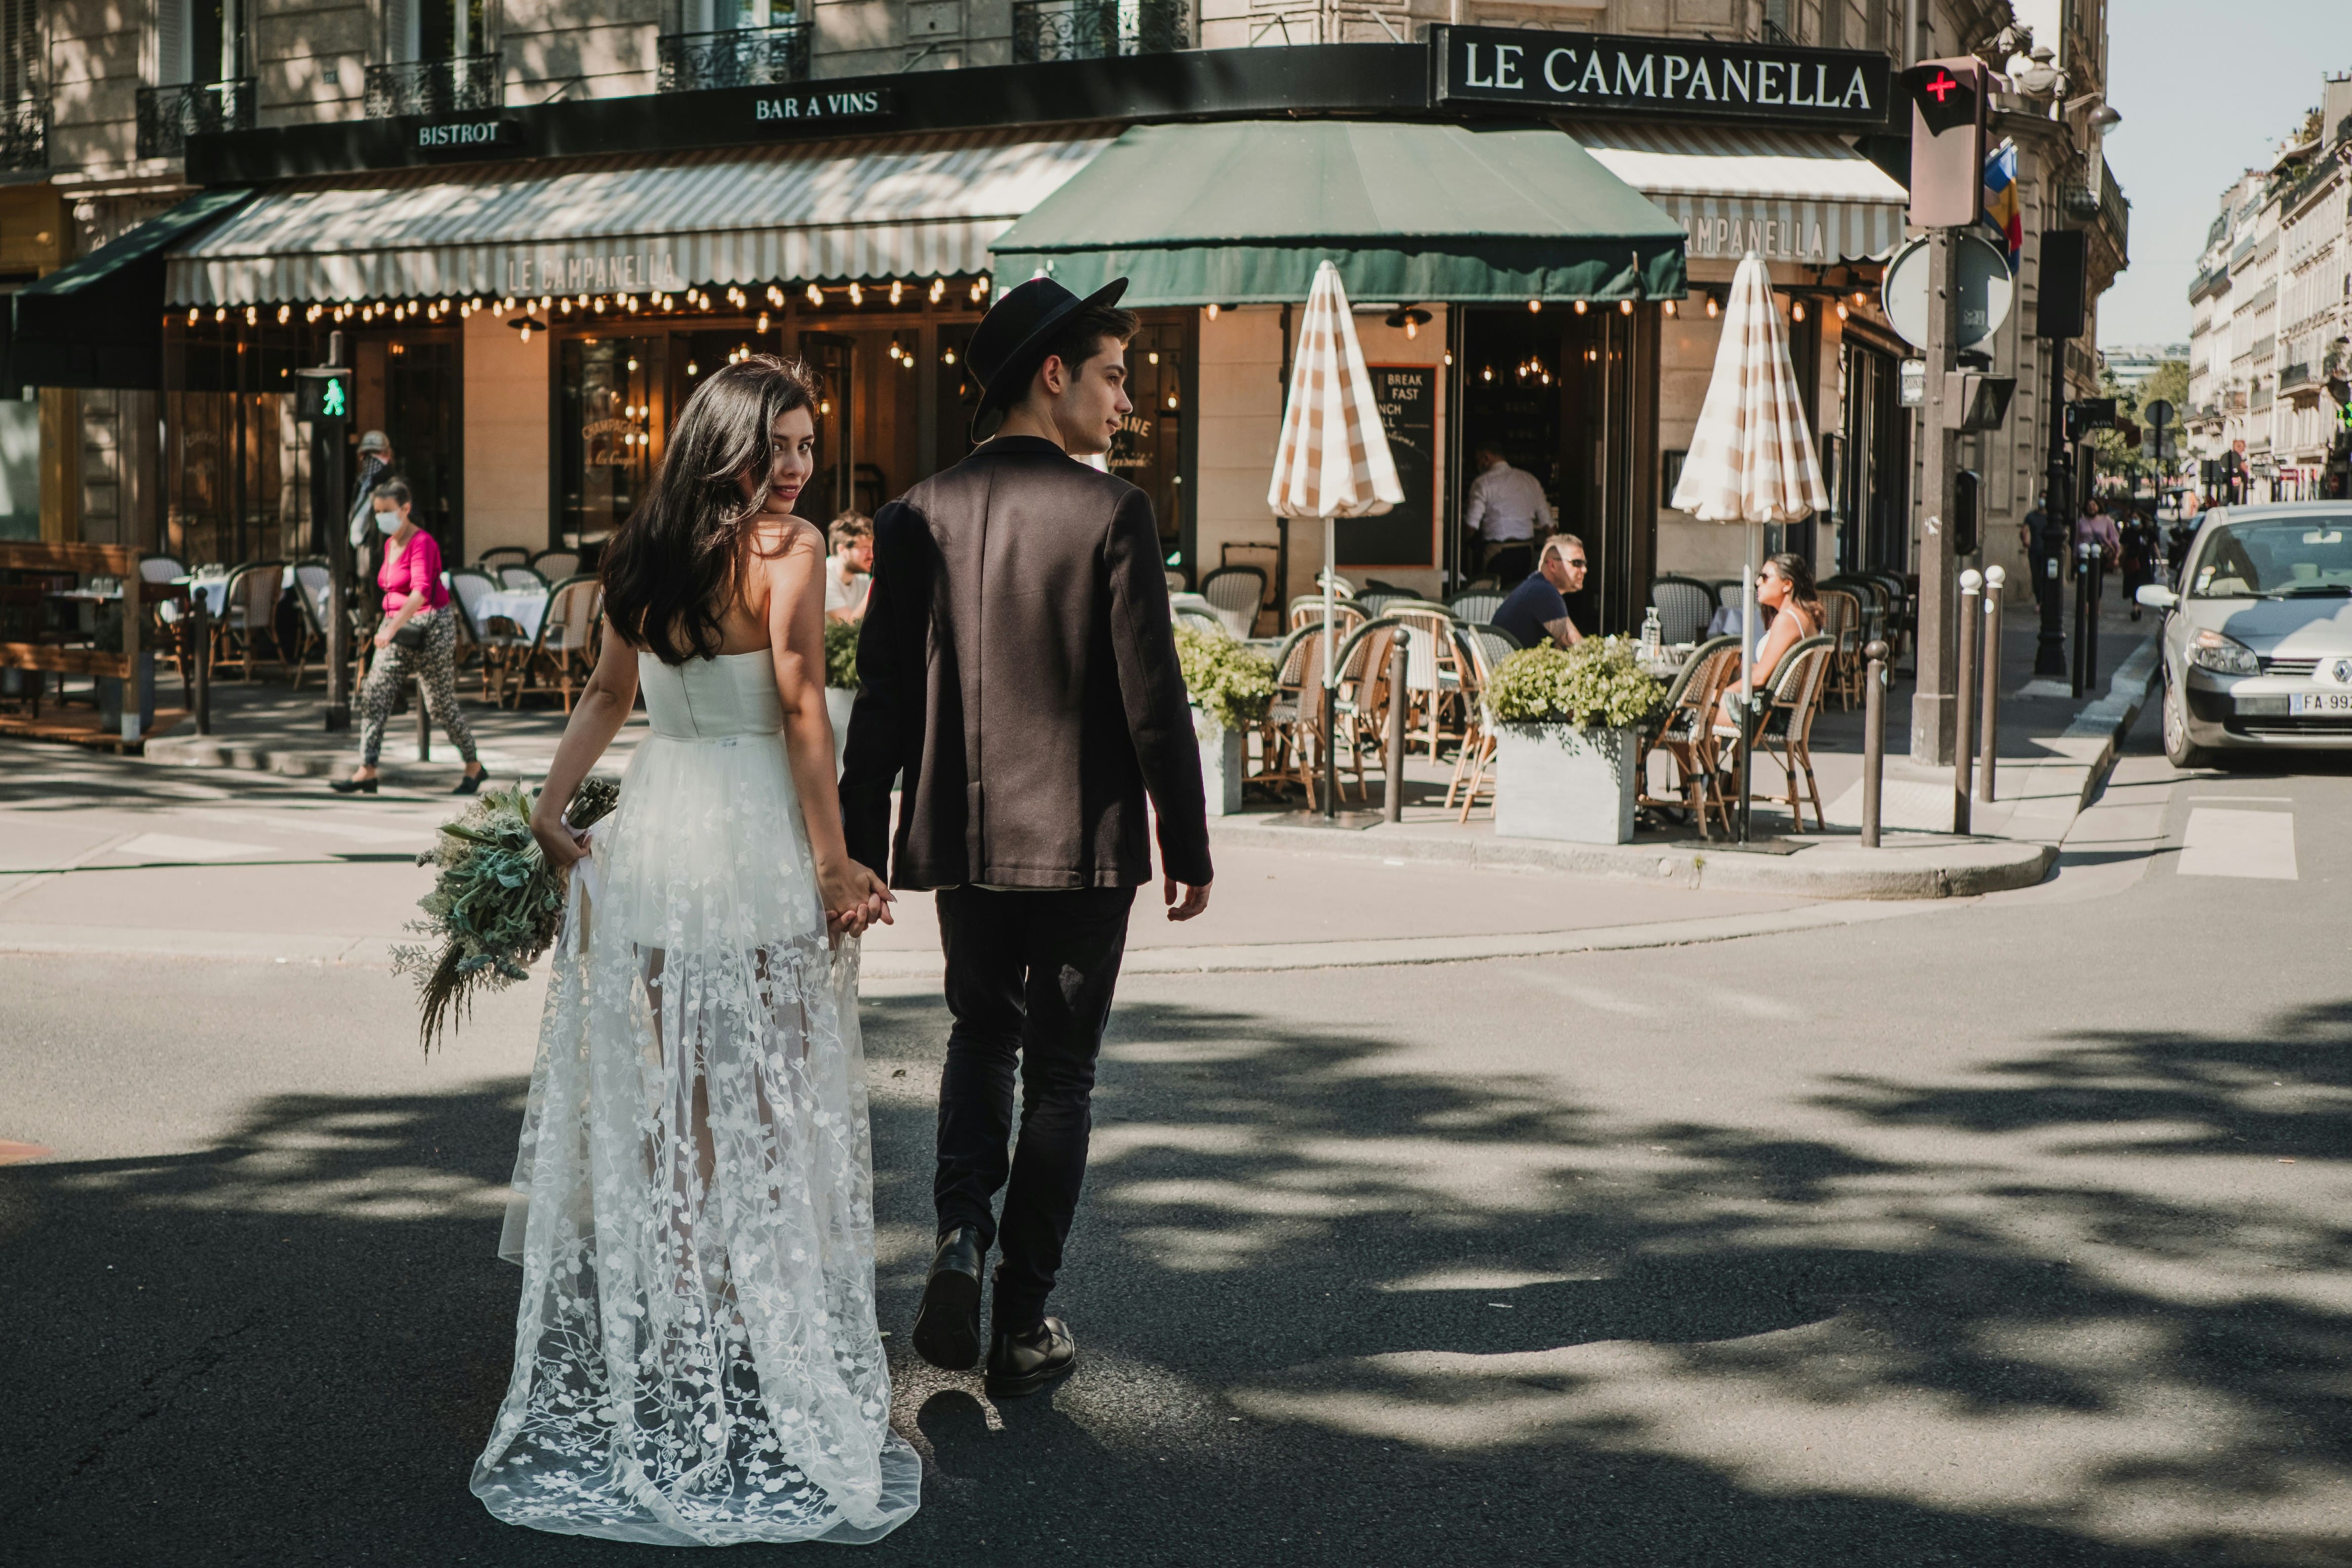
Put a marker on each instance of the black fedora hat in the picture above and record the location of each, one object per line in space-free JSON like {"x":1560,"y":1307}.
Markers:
{"x":1012,"y":340}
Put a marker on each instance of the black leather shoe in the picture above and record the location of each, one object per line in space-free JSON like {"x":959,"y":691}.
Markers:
{"x":947,"y":1327}
{"x":351,"y":786}
{"x":1026,"y":1362}
{"x":469,"y":783}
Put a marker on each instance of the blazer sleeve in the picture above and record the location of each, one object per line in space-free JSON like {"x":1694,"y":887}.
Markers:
{"x":889,"y":695}
{"x":1151,"y":687}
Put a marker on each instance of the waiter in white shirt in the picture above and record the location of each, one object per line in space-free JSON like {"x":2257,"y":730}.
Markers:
{"x":1507,"y":507}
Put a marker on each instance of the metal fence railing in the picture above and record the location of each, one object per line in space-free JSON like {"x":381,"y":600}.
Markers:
{"x":739,"y":57}
{"x":168,"y":116}
{"x":1046,"y":30}
{"x":429,"y":88}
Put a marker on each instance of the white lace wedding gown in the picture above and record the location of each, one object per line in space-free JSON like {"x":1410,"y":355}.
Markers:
{"x":696,"y":1359}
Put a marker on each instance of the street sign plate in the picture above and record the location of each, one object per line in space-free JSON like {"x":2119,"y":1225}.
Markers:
{"x":1987,"y":290}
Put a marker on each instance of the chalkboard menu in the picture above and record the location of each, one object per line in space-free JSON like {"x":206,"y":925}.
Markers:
{"x":1405,"y":534}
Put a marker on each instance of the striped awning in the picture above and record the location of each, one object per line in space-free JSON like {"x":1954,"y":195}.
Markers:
{"x":1788,"y":195}
{"x":867,"y":210}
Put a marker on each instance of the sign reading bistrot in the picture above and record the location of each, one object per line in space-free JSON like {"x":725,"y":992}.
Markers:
{"x":1687,"y":77}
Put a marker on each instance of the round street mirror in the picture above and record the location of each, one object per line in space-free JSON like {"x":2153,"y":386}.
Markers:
{"x":1985,"y":290}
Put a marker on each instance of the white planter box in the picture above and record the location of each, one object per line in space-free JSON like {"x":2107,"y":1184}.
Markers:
{"x":1553,"y":781}
{"x":838,"y":701}
{"x":1225,"y":758}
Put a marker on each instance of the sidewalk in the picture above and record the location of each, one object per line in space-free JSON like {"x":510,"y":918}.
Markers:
{"x":2055,"y":751}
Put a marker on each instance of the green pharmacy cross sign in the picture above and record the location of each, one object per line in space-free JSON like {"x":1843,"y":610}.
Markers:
{"x":325,"y":395}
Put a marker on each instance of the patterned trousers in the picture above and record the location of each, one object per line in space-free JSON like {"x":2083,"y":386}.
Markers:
{"x":434,"y":665}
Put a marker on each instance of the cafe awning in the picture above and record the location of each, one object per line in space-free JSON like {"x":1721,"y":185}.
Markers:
{"x":97,"y":321}
{"x":1788,"y":195}
{"x":867,"y":210}
{"x":1242,"y":212}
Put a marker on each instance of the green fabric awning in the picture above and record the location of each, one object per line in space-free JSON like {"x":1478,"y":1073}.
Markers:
{"x":98,"y":320}
{"x":1240,"y":213}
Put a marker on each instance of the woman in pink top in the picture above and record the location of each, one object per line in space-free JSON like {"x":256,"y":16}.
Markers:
{"x":418,"y":636}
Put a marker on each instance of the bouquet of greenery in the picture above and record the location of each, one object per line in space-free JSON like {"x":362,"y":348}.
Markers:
{"x":496,"y":906}
{"x":1596,"y":685}
{"x":1230,"y":681}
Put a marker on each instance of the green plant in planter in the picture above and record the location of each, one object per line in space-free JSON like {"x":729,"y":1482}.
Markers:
{"x":841,"y":654}
{"x":1596,"y":685}
{"x":1228,"y":680}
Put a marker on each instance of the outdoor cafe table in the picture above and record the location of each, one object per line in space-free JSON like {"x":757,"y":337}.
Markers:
{"x":526,"y":607}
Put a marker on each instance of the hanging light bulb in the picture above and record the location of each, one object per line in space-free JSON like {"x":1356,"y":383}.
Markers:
{"x":1624,"y":306}
{"x":1412,"y":329}
{"x":1796,"y":309}
{"x":633,"y":362}
{"x":1449,"y":356}
{"x":526,"y":329}
{"x":816,"y":296}
{"x":763,"y":322}
{"x":948,"y":357}
{"x":692,"y":368}
{"x":1580,"y":307}
{"x":856,"y":294}
{"x":193,"y":314}
{"x":599,"y":306}
{"x":1860,"y":298}
{"x":567,"y":304}
{"x":898,"y":290}
{"x":939,"y":289}
{"x":1486,"y":374}
{"x":1713,"y":309}
{"x":705,"y":302}
{"x":1153,"y":357}
{"x":1212,"y":312}
{"x":1535,"y":307}
{"x":1171,"y":400}
{"x":547,"y":301}
{"x":1844,"y":313}
{"x":220,"y":313}
{"x":1671,"y":311}
{"x":895,"y":349}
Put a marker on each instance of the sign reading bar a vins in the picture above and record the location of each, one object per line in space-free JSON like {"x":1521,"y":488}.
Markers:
{"x":1681,"y":77}
{"x":803,"y":108}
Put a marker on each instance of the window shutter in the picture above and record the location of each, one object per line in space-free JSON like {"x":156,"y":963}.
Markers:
{"x":171,"y":42}
{"x":400,"y":26}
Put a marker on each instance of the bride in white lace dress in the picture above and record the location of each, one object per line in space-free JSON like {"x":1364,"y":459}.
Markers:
{"x":696,"y":1358}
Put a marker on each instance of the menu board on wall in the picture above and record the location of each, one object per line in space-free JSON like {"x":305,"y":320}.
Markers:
{"x":1405,"y":535}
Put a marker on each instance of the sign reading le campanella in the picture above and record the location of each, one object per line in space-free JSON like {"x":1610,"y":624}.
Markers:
{"x":1680,"y":77}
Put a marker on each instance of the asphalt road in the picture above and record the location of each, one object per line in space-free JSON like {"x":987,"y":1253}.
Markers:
{"x":2004,"y":1232}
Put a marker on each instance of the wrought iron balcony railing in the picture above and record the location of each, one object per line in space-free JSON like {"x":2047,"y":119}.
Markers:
{"x":1096,"y":29}
{"x":2296,"y":376}
{"x":24,"y":134}
{"x":741,"y":56}
{"x":428,"y":89}
{"x":168,"y":116}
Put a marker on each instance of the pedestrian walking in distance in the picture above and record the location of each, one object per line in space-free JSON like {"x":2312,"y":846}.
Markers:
{"x":697,"y":1361}
{"x":417,"y":637}
{"x":1017,"y":664}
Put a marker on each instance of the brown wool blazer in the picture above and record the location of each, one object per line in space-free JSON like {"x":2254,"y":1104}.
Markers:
{"x":1018,"y":663}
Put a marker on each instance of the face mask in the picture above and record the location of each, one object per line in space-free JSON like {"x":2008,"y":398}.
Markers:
{"x":387,"y":521}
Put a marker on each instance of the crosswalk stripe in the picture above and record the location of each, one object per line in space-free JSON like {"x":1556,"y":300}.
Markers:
{"x":2222,"y":843}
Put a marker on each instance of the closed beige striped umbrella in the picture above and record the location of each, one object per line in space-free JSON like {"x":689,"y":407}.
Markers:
{"x":1751,"y":458}
{"x":1333,"y":459}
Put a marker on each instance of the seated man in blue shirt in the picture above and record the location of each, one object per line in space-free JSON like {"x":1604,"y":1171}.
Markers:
{"x":1534,"y":610}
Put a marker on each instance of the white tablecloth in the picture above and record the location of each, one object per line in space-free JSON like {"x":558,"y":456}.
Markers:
{"x":215,"y":590}
{"x":523,"y":606}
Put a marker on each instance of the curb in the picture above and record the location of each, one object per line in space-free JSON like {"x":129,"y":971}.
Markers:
{"x":2111,"y":718}
{"x":897,"y":965}
{"x":1938,"y":870}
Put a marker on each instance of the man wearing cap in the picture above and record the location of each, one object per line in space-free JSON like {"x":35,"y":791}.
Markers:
{"x":375,"y":467}
{"x":1018,"y":665}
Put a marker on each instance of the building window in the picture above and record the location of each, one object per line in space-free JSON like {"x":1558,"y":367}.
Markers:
{"x":439,"y":60}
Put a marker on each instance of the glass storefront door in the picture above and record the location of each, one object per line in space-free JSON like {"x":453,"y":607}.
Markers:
{"x":1148,"y":452}
{"x":610,"y":386}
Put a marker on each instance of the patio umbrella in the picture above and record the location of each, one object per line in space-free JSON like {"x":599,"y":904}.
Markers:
{"x":1751,"y":458}
{"x":1333,"y":459}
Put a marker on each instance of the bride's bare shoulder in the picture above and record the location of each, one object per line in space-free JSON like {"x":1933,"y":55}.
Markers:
{"x":776,"y":540}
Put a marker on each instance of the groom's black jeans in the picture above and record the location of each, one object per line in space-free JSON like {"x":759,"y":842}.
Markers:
{"x":1028,"y":976}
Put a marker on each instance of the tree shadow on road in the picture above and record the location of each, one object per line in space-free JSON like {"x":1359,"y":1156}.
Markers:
{"x":1335,"y":1309}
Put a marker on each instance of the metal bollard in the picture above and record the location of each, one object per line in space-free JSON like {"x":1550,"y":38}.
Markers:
{"x":424,"y":725}
{"x":1989,"y":707}
{"x":2091,"y":636}
{"x":2082,"y":614}
{"x":1393,"y":804}
{"x":1874,"y":738}
{"x":200,"y":658}
{"x":1964,"y":701}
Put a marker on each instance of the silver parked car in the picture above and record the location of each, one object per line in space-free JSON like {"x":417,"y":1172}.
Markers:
{"x":2258,"y":640}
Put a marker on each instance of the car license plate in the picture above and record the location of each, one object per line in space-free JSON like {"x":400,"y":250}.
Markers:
{"x":2320,"y":702}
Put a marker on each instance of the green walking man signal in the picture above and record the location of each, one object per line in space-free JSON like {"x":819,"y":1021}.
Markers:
{"x":326,"y":395}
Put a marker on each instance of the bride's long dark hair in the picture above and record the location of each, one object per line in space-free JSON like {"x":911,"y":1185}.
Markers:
{"x":670,"y":571}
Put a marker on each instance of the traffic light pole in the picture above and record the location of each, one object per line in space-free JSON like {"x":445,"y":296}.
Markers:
{"x":327,"y":506}
{"x":2057,"y":525}
{"x":1936,"y":651}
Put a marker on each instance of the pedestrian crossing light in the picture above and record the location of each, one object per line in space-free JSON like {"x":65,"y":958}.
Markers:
{"x":1947,"y":137}
{"x":325,"y":395}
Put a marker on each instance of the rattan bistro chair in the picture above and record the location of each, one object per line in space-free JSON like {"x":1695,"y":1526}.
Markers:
{"x":495,"y":639}
{"x":1684,"y":731}
{"x":1237,"y":594}
{"x":565,"y":648}
{"x":1684,"y":606}
{"x":248,"y":620}
{"x":499,"y":556}
{"x":1842,"y":621}
{"x":516,"y":578}
{"x":555,"y":565}
{"x":1482,"y":648}
{"x":1785,"y":720}
{"x":1307,"y":611}
{"x":1476,"y":607}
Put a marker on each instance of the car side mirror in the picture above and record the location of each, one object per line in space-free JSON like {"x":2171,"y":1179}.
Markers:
{"x":2157,"y":596}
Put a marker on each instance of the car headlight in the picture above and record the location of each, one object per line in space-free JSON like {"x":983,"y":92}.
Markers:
{"x":2208,"y":649}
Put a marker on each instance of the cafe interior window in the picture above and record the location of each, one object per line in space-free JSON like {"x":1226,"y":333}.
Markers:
{"x":1148,"y":450}
{"x":606,"y":428}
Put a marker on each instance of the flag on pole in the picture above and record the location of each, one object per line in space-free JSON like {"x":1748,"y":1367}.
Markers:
{"x":2001,"y":208}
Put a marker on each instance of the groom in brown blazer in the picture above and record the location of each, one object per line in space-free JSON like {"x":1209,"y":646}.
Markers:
{"x":1018,"y":667}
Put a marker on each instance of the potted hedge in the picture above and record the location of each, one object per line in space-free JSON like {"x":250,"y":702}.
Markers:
{"x":1565,"y":741}
{"x":840,"y":680}
{"x":1231,"y":685}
